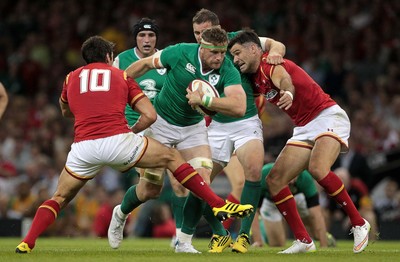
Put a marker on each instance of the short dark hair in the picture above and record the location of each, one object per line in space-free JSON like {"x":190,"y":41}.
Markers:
{"x":145,"y":24}
{"x":96,"y":48}
{"x":215,"y":35}
{"x":205,"y":15}
{"x":245,"y":36}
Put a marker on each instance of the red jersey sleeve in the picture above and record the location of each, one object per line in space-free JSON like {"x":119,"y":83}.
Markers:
{"x":309,"y":98}
{"x":135,"y":93}
{"x":64,"y":97}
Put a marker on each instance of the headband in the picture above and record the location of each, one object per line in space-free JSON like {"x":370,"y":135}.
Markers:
{"x":209,"y":45}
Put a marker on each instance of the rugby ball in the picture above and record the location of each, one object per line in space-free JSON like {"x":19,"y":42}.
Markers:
{"x":208,"y":90}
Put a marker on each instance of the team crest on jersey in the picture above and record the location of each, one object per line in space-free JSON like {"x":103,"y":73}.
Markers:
{"x":271,"y":94}
{"x":161,"y":71}
{"x":213,"y":79}
{"x":190,"y":68}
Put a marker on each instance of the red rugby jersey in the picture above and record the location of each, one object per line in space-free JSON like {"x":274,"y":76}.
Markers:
{"x":97,"y":95}
{"x":309,"y":98}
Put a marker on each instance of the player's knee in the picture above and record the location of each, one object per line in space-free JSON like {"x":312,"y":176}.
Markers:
{"x":273,"y":181}
{"x":153,"y":176}
{"x":253,"y":173}
{"x":317,"y":172}
{"x":239,"y":183}
{"x":150,"y":184}
{"x":148,"y":191}
{"x":167,"y":156}
{"x":173,"y":154}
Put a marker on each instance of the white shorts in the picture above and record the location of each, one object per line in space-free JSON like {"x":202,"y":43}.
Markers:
{"x":225,"y":138}
{"x":181,"y":137}
{"x":270,"y":212}
{"x":332,"y":121}
{"x":120,"y":152}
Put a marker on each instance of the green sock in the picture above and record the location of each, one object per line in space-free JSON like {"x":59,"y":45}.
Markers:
{"x":130,"y":201}
{"x":250,"y":195}
{"x":192,"y":213}
{"x":177,"y":204}
{"x":216,"y":225}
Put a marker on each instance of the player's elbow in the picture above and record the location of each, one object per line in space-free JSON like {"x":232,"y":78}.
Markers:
{"x":153,"y":117}
{"x":240,"y":112}
{"x":65,"y":110}
{"x":240,"y":107}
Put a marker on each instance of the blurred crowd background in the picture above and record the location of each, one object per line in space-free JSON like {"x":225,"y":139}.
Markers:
{"x":351,"y":48}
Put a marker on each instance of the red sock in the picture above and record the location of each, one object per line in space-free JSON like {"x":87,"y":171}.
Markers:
{"x":335,"y":188}
{"x":228,"y":223}
{"x":44,"y":217}
{"x":286,"y":204}
{"x":190,"y":179}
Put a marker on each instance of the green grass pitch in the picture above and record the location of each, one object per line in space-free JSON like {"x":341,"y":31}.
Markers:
{"x":149,"y":250}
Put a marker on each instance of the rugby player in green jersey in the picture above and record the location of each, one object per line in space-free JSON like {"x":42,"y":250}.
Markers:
{"x":242,"y":137}
{"x":145,"y":33}
{"x":178,"y":124}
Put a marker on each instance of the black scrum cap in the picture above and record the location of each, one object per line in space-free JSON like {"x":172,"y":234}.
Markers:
{"x":145,"y":24}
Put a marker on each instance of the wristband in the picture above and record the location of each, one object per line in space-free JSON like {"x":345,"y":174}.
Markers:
{"x":206,"y":101}
{"x":289,"y":94}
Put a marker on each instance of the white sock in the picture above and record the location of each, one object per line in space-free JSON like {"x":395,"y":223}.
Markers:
{"x":120,"y":214}
{"x":184,"y":238}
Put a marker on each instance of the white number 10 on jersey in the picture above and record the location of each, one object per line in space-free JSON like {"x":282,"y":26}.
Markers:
{"x":93,"y":80}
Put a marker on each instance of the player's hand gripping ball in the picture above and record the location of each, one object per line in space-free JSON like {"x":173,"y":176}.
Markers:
{"x":208,"y":91}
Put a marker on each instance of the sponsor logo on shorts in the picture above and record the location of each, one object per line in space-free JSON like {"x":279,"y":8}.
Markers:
{"x":132,"y":157}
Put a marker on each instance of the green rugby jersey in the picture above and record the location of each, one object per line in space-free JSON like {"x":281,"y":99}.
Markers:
{"x":304,"y":183}
{"x":183,"y":65}
{"x":251,"y":109}
{"x":151,"y":82}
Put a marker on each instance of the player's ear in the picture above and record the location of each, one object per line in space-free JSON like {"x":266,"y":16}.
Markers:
{"x":109,"y":58}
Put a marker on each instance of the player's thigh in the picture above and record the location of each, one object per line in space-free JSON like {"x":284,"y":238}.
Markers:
{"x":323,"y":155}
{"x":251,"y":157}
{"x":197,"y":151}
{"x":67,"y":188}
